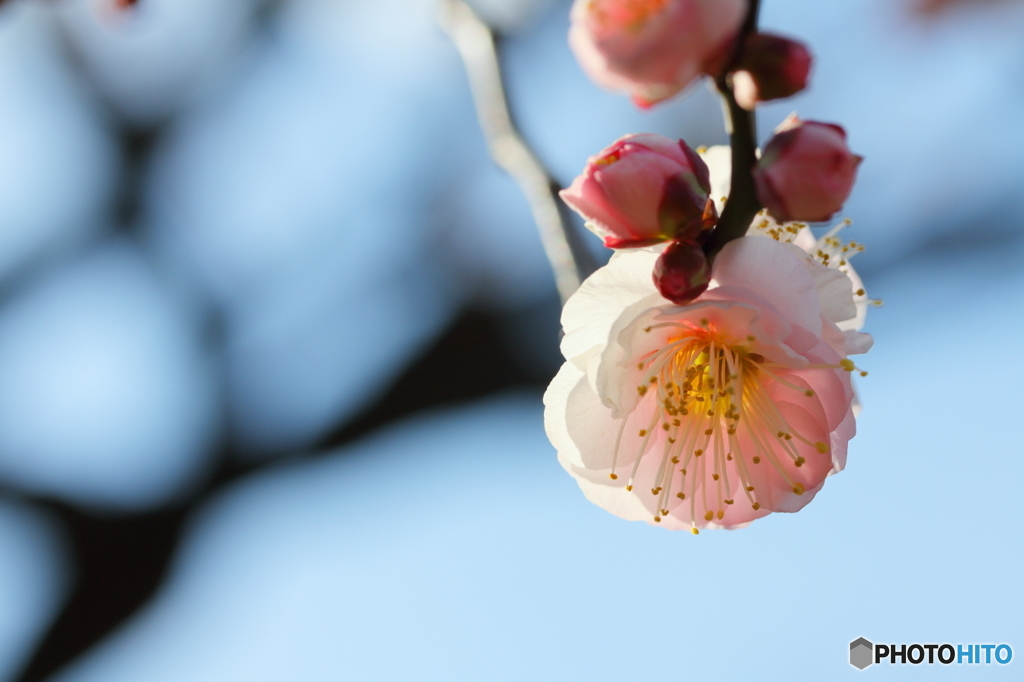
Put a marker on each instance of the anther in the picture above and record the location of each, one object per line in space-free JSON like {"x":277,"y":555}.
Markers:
{"x":657,"y":519}
{"x":709,"y":516}
{"x":721,"y":513}
{"x":715,"y":476}
{"x":695,"y":531}
{"x":614,"y":477}
{"x":728,"y":501}
{"x":750,"y":488}
{"x":756,"y":506}
{"x":643,"y":432}
{"x":799,"y":489}
{"x":629,"y":488}
{"x":799,"y":461}
{"x":681,"y":496}
{"x":757,"y":460}
{"x":821,"y":447}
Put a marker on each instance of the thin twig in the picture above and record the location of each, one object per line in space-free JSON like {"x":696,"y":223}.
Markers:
{"x":743,"y":203}
{"x":475,"y":43}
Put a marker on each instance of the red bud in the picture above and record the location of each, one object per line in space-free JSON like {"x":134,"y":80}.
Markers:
{"x":682,"y":272}
{"x":806,"y":171}
{"x":772,"y":67}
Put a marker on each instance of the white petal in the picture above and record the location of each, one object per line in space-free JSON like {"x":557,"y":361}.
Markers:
{"x":613,"y":499}
{"x":776,"y":271}
{"x":857,"y":342}
{"x":860,"y":302}
{"x":835,"y":292}
{"x":583,"y":430}
{"x":805,"y":239}
{"x":555,"y":400}
{"x":719,"y":161}
{"x":590,"y":313}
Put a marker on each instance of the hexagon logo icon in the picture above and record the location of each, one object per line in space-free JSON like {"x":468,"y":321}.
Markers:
{"x":862,"y":653}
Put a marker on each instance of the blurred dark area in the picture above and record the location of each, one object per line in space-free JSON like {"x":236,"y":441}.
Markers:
{"x":120,"y":560}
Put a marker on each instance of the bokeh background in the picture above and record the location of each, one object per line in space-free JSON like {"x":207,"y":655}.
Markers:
{"x":274,"y":331}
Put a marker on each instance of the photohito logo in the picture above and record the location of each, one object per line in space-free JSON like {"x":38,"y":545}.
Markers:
{"x":863,"y":653}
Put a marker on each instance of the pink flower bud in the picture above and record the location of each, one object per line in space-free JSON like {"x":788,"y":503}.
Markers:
{"x":772,"y":67}
{"x":642,"y":190}
{"x":652,"y":49}
{"x":682,"y":272}
{"x":806,"y":171}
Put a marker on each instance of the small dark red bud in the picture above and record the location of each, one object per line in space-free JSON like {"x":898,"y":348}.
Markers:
{"x":772,"y":67}
{"x":682,"y":272}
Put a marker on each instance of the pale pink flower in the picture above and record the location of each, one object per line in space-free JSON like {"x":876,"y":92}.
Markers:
{"x":652,"y":49}
{"x":641,"y":190}
{"x":806,"y":171}
{"x":715,"y":413}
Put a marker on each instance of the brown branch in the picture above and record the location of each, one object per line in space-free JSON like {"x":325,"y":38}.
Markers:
{"x":743,"y":203}
{"x":476,"y":45}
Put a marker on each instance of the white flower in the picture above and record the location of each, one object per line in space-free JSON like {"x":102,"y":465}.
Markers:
{"x":717,"y":412}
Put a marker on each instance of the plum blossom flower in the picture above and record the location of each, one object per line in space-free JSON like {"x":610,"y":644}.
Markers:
{"x":714,"y":413}
{"x":652,"y":49}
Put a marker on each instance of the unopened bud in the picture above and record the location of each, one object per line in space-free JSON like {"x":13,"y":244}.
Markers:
{"x":682,"y":272}
{"x":806,"y":171}
{"x":642,"y":190}
{"x":772,"y":67}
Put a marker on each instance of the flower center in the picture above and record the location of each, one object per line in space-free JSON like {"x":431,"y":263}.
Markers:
{"x":714,"y":420}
